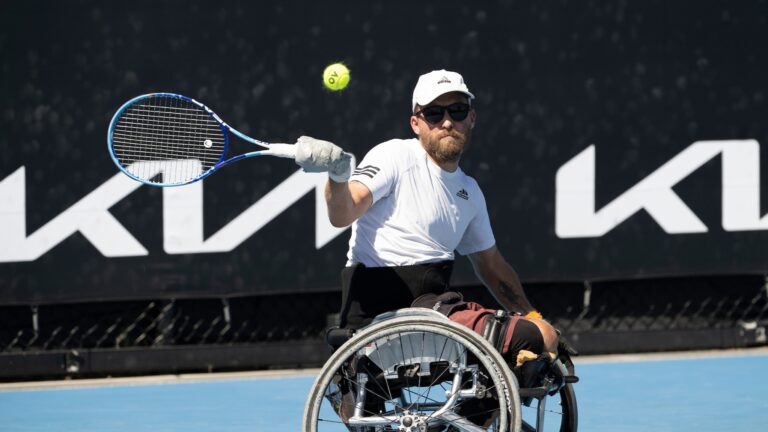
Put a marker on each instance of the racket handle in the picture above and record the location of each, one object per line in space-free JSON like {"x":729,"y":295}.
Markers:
{"x":282,"y":150}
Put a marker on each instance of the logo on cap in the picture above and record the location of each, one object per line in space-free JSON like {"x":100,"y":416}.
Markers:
{"x":444,"y":80}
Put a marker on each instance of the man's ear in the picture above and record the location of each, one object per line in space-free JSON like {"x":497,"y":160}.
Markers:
{"x":415,"y":125}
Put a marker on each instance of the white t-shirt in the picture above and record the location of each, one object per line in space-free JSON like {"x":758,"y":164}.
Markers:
{"x":420,"y":213}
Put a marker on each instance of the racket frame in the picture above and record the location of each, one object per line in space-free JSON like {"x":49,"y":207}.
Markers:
{"x":225,"y":129}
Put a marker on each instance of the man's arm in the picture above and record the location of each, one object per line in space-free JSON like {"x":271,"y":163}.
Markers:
{"x":346,"y":201}
{"x":501,"y":279}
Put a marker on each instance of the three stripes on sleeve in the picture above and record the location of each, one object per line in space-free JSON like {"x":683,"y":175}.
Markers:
{"x":368,"y":170}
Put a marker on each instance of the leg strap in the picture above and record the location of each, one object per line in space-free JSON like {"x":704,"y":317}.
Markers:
{"x":496,"y":328}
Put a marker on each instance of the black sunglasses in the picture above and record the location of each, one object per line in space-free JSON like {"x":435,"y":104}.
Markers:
{"x":434,"y":114}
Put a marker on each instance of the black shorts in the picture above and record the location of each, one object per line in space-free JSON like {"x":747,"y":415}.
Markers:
{"x":370,"y":291}
{"x":525,"y":336}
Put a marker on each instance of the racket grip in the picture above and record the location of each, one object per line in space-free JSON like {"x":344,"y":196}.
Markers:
{"x":282,"y":150}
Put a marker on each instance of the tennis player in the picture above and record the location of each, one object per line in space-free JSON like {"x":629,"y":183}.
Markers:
{"x":411,"y":206}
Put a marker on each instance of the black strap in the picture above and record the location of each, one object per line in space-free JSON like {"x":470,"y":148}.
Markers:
{"x":445,"y":303}
{"x":495,"y":329}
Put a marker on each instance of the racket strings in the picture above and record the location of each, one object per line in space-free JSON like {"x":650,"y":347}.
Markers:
{"x":169,"y":136}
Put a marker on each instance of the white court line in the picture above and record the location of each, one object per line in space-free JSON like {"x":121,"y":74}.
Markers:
{"x":294,"y":373}
{"x":673,"y":355}
{"x":155,"y":379}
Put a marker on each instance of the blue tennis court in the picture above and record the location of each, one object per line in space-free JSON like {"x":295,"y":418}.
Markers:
{"x":694,"y":392}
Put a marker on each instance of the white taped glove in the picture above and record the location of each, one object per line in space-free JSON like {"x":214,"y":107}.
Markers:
{"x":315,"y":155}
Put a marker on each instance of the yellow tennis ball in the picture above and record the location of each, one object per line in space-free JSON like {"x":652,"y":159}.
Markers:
{"x":336,"y":77}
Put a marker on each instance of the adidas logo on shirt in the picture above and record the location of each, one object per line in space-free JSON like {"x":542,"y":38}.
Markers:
{"x":462,"y":194}
{"x":368,"y":170}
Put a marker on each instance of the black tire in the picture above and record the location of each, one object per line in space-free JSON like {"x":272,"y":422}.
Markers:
{"x":566,"y":413}
{"x":570,"y":409}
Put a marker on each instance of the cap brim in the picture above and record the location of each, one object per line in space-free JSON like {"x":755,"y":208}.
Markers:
{"x":426,"y":99}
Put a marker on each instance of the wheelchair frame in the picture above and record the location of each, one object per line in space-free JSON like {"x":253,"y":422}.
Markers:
{"x":421,"y":345}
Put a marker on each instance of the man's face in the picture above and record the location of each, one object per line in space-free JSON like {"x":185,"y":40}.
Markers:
{"x":446,"y":139}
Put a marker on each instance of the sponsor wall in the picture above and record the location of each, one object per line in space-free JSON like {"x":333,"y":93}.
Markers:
{"x":613,"y":140}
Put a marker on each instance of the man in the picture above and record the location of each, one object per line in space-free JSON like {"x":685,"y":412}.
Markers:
{"x":411,"y":206}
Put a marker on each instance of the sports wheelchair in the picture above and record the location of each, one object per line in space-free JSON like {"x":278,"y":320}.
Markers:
{"x":415,"y":370}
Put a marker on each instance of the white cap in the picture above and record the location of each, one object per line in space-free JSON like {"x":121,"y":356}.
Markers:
{"x":435,"y":84}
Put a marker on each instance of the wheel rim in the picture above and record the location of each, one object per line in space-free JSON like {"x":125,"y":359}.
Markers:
{"x":415,"y":392}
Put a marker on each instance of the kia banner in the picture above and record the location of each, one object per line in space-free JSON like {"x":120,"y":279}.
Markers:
{"x":613,"y":141}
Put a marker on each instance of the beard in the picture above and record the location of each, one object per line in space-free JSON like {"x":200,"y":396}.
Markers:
{"x":447,"y":146}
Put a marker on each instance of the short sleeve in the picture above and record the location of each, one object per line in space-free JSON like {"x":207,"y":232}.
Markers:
{"x":377,"y":170}
{"x":479,"y":235}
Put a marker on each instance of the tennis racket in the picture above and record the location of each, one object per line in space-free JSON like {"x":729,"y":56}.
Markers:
{"x":166,"y":139}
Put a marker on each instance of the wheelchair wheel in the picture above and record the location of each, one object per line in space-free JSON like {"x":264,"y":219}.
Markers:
{"x":416,"y":372}
{"x":554,"y":413}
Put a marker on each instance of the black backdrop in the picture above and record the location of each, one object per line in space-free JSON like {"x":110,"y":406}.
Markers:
{"x":641,"y":81}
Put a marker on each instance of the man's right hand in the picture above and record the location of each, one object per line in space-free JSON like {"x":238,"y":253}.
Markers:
{"x":315,"y":155}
